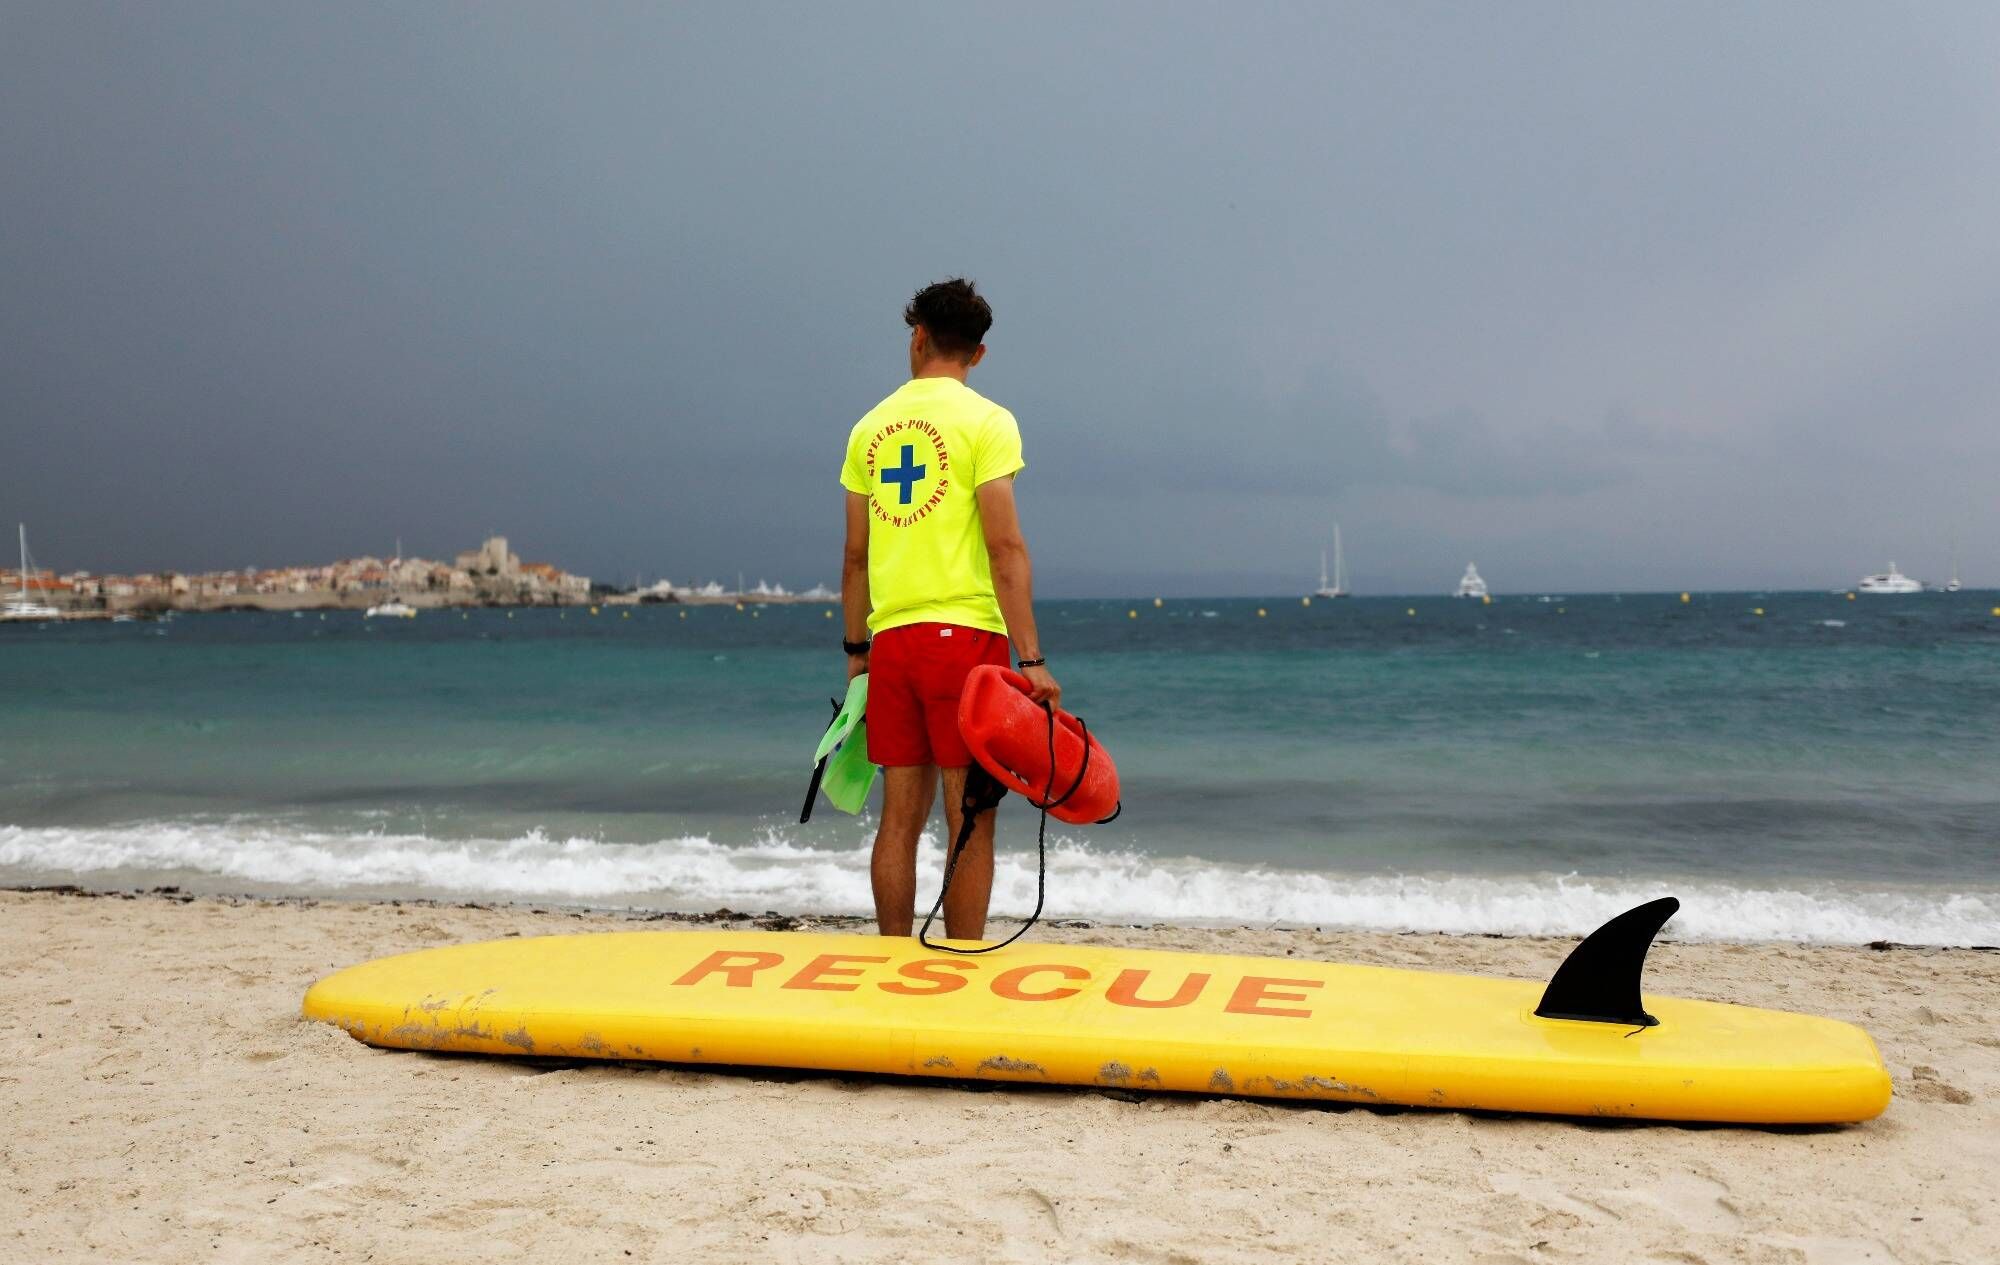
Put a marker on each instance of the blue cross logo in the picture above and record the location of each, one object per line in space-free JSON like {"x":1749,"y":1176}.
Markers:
{"x":905,"y":476}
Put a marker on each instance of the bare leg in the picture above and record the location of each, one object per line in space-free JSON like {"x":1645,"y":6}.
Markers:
{"x":907,"y":792}
{"x":972,"y":882}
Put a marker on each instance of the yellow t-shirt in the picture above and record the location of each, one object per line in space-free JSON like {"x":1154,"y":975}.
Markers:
{"x":917,"y":456}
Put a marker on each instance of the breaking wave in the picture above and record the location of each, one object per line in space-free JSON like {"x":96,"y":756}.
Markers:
{"x":773,"y":873}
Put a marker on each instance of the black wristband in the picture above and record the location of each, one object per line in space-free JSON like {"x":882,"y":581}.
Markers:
{"x":854,"y":647}
{"x":1032,"y":663}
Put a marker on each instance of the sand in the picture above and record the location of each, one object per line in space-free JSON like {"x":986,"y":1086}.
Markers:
{"x":161,"y":1100}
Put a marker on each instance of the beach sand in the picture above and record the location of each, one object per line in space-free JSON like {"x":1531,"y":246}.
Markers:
{"x":164,"y":1101}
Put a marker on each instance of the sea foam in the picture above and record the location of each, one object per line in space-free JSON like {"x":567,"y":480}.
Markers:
{"x":777,"y":873}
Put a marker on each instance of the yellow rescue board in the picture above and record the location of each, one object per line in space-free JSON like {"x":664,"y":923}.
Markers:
{"x":1083,"y":1015}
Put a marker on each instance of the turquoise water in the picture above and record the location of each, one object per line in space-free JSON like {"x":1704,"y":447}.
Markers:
{"x":1829,"y":769}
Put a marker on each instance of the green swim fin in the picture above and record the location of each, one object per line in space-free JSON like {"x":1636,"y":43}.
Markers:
{"x":841,"y":767}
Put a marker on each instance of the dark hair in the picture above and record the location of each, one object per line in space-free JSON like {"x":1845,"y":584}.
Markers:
{"x":954,"y":314}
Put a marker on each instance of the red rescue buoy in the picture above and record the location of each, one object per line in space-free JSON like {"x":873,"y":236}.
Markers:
{"x":1008,"y":733}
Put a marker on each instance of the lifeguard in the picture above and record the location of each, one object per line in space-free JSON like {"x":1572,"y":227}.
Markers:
{"x":935,"y":582}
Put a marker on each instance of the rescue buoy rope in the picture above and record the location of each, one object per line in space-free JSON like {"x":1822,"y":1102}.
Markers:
{"x":983,"y":793}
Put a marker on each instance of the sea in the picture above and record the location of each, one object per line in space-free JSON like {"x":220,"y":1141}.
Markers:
{"x":1793,"y":766}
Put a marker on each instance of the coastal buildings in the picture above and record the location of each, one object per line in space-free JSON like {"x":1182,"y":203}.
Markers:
{"x":490,"y":559}
{"x":490,"y":575}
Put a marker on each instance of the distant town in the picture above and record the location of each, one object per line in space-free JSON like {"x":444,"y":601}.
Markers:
{"x":491,"y":575}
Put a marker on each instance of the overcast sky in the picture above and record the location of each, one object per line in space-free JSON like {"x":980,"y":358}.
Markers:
{"x":1602,"y":296}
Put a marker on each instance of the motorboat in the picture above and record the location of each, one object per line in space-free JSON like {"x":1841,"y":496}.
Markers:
{"x":1890,"y":581}
{"x":1471,"y":584}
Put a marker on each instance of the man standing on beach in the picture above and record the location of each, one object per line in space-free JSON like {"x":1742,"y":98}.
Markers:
{"x":935,"y":581}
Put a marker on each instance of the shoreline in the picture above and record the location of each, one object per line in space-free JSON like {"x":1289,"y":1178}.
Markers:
{"x":830,"y":885}
{"x":777,"y":920}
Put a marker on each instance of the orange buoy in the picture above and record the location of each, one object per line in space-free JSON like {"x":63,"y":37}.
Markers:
{"x":1008,"y":733}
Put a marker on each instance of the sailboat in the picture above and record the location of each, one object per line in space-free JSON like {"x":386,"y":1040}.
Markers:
{"x":395,"y":607}
{"x":23,"y":607}
{"x":1952,"y":585}
{"x":1338,"y":588}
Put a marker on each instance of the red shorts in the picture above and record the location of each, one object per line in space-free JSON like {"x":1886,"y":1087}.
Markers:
{"x":915,"y":673}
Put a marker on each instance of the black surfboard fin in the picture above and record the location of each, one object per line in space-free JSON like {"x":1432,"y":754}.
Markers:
{"x":1599,"y":980}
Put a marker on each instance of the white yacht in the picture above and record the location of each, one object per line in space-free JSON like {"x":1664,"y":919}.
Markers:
{"x":1470,"y":584}
{"x":1890,"y":581}
{"x":1338,"y":586}
{"x":23,"y":607}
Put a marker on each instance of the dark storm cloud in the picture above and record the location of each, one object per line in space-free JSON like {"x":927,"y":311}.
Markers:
{"x":1332,"y":437}
{"x":1601,"y":296}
